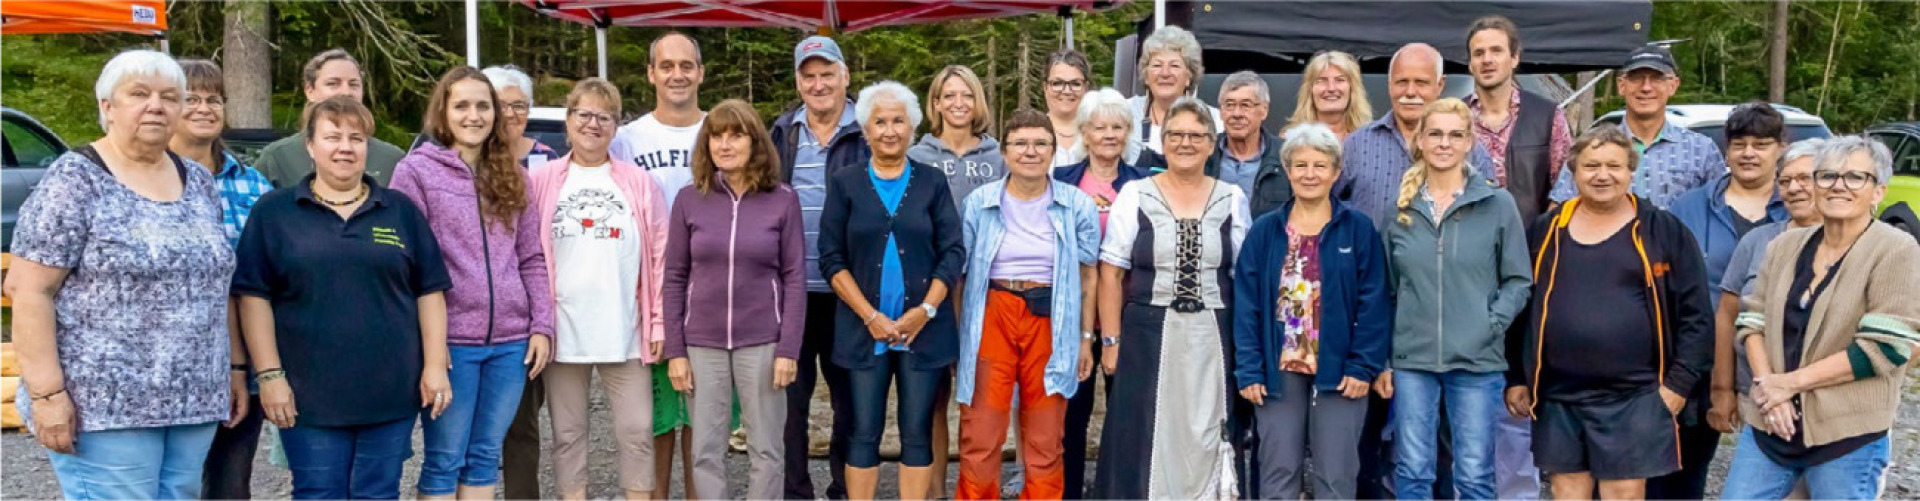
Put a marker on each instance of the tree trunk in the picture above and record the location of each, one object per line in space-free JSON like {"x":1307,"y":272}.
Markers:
{"x":1025,"y":77}
{"x":1581,"y":112}
{"x":247,"y":65}
{"x":1777,"y":54}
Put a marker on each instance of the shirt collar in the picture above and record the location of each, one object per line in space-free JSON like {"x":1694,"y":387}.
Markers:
{"x":1053,"y":187}
{"x":229,"y":167}
{"x":1227,"y":154}
{"x":847,"y":116}
{"x":303,"y":191}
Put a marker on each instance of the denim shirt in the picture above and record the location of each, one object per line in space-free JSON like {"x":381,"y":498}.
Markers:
{"x":1076,"y":230}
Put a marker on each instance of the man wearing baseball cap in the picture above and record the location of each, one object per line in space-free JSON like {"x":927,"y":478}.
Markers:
{"x":813,"y":140}
{"x":1672,"y":158}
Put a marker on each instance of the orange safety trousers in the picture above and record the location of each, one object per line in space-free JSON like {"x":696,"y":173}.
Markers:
{"x":1014,"y":347}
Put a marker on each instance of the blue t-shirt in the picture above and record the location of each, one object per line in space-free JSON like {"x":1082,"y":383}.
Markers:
{"x":893,"y":284}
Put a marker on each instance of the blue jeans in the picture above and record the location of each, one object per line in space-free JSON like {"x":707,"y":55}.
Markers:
{"x":138,"y":463}
{"x":348,"y":462}
{"x":463,"y":446}
{"x":1857,"y":475}
{"x":1471,"y":400}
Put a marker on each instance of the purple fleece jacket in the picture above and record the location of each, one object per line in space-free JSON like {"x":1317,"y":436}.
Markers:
{"x":500,"y":289}
{"x":736,"y":275}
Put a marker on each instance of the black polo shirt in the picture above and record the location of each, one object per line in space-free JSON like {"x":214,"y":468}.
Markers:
{"x":344,"y":296}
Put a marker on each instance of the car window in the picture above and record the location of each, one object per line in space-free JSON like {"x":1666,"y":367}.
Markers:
{"x":1906,"y":159}
{"x":29,"y":148}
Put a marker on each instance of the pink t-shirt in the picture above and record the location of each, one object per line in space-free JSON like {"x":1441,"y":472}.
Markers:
{"x":1102,"y":193}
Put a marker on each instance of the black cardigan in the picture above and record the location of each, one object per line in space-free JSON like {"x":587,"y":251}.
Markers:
{"x":853,"y":238}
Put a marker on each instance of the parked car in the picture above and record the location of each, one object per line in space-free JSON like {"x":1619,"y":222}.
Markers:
{"x":246,"y":144}
{"x":28,"y":149}
{"x":1903,"y":191}
{"x":1711,"y":120}
{"x":547,"y":124}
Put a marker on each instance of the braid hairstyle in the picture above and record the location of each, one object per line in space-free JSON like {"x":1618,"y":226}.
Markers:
{"x":1416,"y":175}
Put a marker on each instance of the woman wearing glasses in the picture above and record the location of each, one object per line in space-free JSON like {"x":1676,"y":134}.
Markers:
{"x":1829,"y":330}
{"x":1165,"y":281}
{"x":516,"y":102}
{"x":1458,"y":252}
{"x":604,"y":234}
{"x":1069,"y":76}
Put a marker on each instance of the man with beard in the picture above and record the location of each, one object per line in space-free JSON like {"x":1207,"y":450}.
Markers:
{"x":1528,"y":139}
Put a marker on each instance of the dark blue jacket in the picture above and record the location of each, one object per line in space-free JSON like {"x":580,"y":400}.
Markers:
{"x":1356,"y":306}
{"x":853,"y":238}
{"x":1071,"y":174}
{"x":1705,"y":212}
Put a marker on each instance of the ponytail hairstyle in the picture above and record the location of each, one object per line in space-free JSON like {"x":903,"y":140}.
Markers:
{"x":1416,"y":175}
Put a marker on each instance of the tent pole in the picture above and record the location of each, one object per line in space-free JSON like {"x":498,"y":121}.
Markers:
{"x":1159,"y":14}
{"x":473,"y":33}
{"x":1066,"y":15}
{"x":600,"y":48}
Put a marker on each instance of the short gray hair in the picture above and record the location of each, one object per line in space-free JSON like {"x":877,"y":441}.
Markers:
{"x":1804,"y":148}
{"x":1180,"y":41}
{"x":1102,"y":104}
{"x":1439,"y":61}
{"x":885,"y":90}
{"x":1311,"y":135}
{"x":1840,"y":148}
{"x":508,"y":77}
{"x":1242,"y":79}
{"x":1199,"y":110}
{"x":135,"y":63}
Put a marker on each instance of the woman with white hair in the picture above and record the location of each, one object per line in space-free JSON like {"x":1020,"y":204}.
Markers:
{"x":1312,"y":324}
{"x":1829,"y":329}
{"x":515,"y":89}
{"x":890,"y":244}
{"x":1170,"y":69}
{"x":1106,"y":127}
{"x":120,"y":300}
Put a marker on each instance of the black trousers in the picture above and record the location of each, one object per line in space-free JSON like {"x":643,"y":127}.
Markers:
{"x":520,"y":452}
{"x":1079,"y":422}
{"x":816,"y":362}
{"x":1698,"y":443}
{"x":228,"y":473}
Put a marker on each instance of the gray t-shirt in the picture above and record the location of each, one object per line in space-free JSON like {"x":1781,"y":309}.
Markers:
{"x":141,"y":320}
{"x":1738,"y":280}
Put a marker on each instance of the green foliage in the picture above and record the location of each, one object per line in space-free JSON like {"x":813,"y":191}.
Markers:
{"x":1873,"y":78}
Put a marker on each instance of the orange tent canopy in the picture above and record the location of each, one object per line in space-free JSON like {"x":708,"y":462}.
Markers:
{"x":27,"y":17}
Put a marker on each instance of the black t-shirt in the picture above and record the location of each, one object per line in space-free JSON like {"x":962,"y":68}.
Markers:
{"x":1742,"y":225}
{"x":344,"y":295}
{"x":1793,"y":335}
{"x":1600,"y":343}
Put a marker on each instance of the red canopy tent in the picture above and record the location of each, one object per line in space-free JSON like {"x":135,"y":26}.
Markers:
{"x":31,"y":17}
{"x":825,"y":16}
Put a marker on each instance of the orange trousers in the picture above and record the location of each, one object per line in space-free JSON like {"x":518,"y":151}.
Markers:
{"x":1014,"y":347}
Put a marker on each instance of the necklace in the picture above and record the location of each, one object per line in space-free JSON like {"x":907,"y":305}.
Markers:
{"x":315,"y":186}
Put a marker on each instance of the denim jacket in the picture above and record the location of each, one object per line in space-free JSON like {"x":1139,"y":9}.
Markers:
{"x":1076,"y":230}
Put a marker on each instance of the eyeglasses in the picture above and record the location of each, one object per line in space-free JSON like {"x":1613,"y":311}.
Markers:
{"x":1644,"y":78}
{"x":516,"y":107}
{"x":1246,"y":105}
{"x":1787,"y":181}
{"x":1177,"y":137}
{"x":1041,"y":146}
{"x":212,"y":102}
{"x":588,"y":117}
{"x":1058,"y":85}
{"x":1855,"y":180}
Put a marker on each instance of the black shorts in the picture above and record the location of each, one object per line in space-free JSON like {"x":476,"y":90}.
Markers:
{"x":1630,"y":437}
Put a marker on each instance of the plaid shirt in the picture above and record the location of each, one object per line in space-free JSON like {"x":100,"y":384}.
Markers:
{"x":1375,"y":160}
{"x":240,"y":186}
{"x":1495,"y":138}
{"x":1676,"y":161}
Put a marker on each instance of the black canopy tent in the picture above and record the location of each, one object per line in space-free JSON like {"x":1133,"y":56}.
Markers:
{"x":1558,"y":36}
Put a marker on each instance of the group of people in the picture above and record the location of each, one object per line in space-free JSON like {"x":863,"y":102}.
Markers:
{"x":1341,"y":309}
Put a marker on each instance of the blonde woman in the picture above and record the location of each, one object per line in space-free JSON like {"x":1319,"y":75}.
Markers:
{"x":1331,"y":93}
{"x":1458,"y":252}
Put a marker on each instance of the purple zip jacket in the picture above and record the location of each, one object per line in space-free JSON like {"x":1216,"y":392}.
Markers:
{"x":742,"y":263}
{"x":500,"y":289}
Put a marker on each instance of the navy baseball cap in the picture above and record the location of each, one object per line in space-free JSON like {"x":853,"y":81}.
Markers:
{"x":1650,"y":56}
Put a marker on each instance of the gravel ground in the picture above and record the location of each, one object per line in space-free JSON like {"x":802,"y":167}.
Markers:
{"x":28,"y":476}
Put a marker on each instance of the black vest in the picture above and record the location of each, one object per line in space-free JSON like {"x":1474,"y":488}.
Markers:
{"x":1530,"y":155}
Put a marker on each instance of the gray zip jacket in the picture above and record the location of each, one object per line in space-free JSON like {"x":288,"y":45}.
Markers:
{"x":1457,"y":284}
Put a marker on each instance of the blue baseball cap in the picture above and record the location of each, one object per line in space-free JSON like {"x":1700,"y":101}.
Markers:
{"x":816,"y":46}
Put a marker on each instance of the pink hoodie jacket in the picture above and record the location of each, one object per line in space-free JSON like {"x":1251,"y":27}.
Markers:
{"x":501,"y":292}
{"x":650,"y":217}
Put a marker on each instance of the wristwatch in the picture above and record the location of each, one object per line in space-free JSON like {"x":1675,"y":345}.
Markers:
{"x":1109,"y":341}
{"x":930,"y":309}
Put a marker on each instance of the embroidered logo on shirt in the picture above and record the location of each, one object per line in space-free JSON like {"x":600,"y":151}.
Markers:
{"x":587,"y":213}
{"x":387,"y":236}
